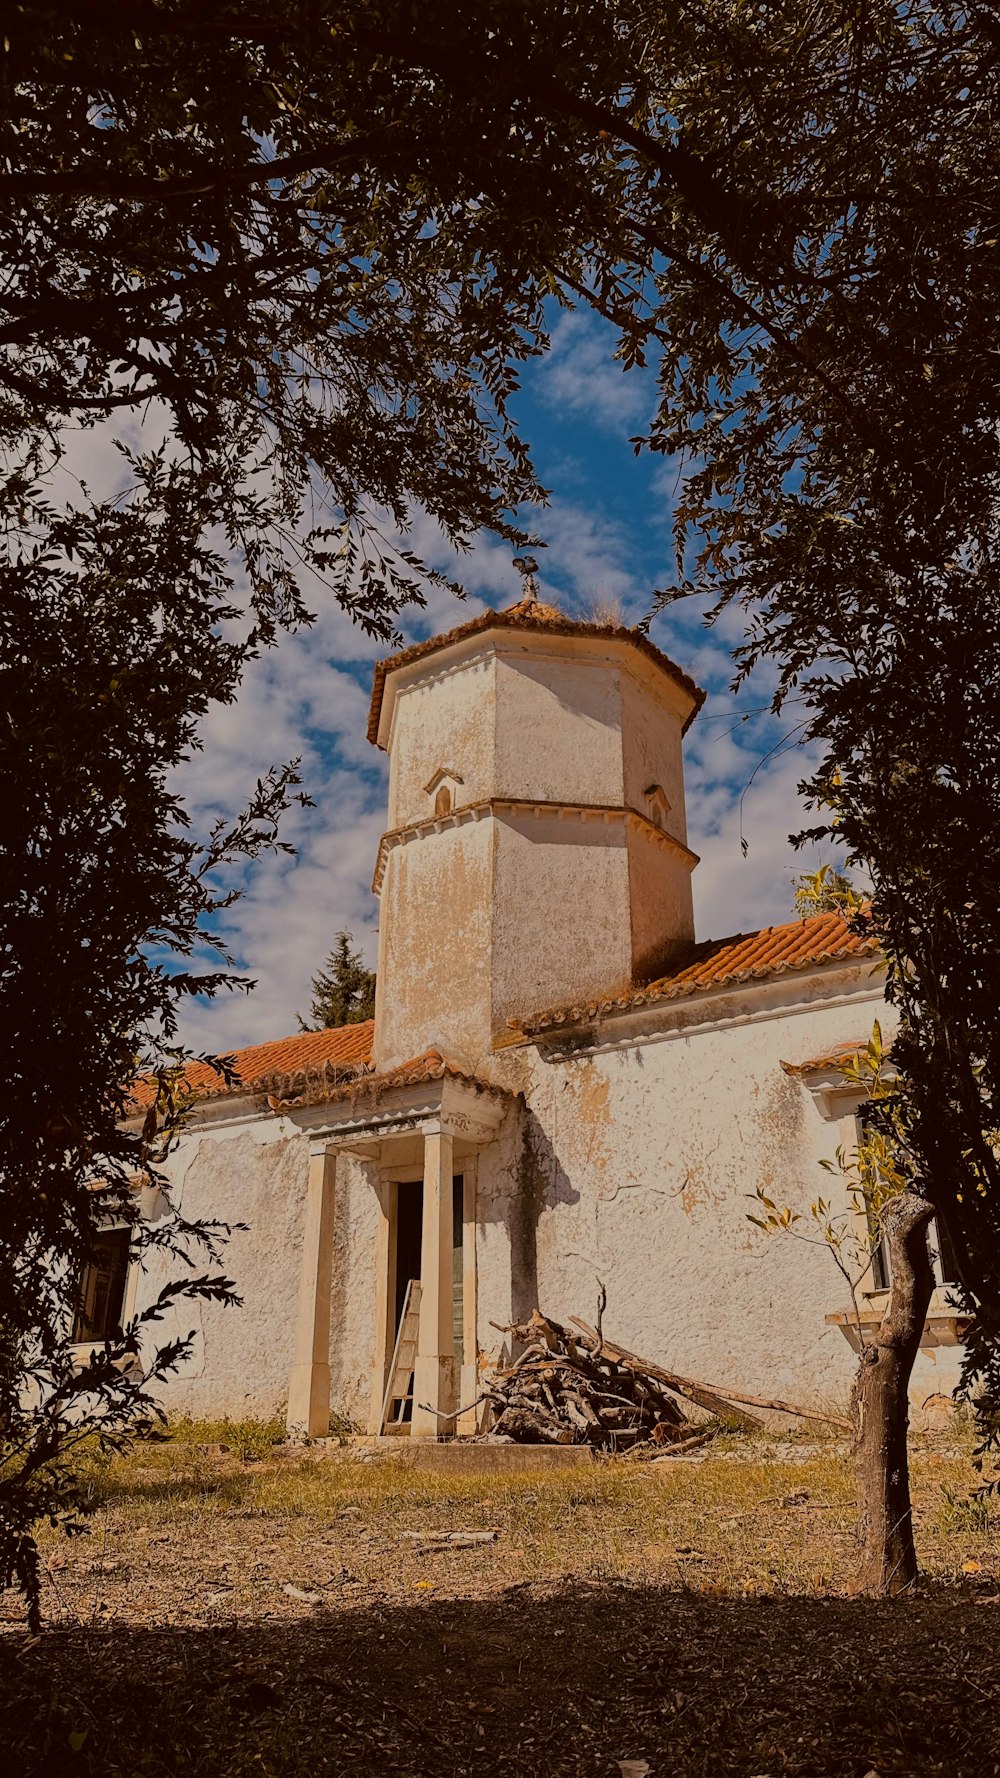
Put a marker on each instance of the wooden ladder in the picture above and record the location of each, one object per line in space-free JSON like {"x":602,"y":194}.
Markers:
{"x":399,"y":1389}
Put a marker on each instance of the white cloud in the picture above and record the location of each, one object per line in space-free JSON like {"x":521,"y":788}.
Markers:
{"x":285,"y":926}
{"x":309,"y":697}
{"x":734,"y":893}
{"x":580,"y":376}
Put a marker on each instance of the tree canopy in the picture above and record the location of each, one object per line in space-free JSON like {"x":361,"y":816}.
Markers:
{"x":343,"y":991}
{"x":825,"y":891}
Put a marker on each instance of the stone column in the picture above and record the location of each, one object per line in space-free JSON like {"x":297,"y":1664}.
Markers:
{"x":465,"y":1425}
{"x":434,"y":1376}
{"x":309,"y":1384}
{"x":385,"y":1299}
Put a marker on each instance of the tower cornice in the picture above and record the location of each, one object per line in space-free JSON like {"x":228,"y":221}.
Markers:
{"x":529,"y":619}
{"x":607,"y":814}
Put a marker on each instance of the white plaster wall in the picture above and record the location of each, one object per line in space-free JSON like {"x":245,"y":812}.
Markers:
{"x":660,"y":905}
{"x":352,"y":1318}
{"x":640,"y":1165}
{"x":560,"y":912}
{"x":651,"y":746}
{"x":558,"y":721}
{"x":434,"y":946}
{"x":256,"y":1174}
{"x":509,"y":1191}
{"x":444,"y":717}
{"x":635,"y":1166}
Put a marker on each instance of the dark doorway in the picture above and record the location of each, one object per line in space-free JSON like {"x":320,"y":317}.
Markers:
{"x":457,"y":1265}
{"x":409,"y":1247}
{"x":409,"y":1225}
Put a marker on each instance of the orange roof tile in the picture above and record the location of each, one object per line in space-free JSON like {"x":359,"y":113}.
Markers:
{"x":418,"y":1071}
{"x":527,"y":614}
{"x":748,"y":956}
{"x":268,"y":1067}
{"x":832,"y":1058}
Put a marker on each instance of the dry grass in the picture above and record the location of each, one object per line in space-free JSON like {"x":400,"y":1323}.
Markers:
{"x":742,"y":1519}
{"x":254,"y":1611}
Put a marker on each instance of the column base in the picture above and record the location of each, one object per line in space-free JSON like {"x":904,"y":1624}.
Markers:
{"x":309,"y":1400}
{"x":433,"y":1383}
{"x":467,"y":1424}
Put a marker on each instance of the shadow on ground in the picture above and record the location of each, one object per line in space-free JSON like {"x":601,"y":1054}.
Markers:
{"x":520,"y":1684}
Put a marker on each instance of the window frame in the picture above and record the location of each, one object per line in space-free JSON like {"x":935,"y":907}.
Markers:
{"x":880,"y":1275}
{"x":82,"y":1349}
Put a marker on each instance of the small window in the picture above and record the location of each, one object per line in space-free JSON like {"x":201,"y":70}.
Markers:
{"x":878,"y":1277}
{"x":102,"y":1288}
{"x":942,"y":1254}
{"x":942,"y":1263}
{"x":879,"y":1250}
{"x":657,"y":805}
{"x":443,"y":788}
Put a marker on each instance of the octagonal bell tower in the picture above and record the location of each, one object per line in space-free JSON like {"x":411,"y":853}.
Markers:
{"x":536,"y":851}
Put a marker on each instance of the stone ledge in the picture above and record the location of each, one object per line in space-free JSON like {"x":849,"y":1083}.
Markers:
{"x":943,"y":1327}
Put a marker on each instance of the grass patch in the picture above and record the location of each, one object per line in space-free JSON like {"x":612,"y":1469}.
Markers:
{"x":750,"y":1519}
{"x":262,"y":1605}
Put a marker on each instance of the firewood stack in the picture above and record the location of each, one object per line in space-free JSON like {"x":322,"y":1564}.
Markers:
{"x":575,"y":1388}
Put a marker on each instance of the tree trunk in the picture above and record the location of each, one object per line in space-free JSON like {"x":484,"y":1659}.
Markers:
{"x":881,"y":1405}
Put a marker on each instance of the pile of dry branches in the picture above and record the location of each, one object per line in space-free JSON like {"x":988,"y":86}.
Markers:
{"x":579,"y":1388}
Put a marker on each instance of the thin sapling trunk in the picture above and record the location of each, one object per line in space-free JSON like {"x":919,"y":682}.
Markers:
{"x":881,"y":1405}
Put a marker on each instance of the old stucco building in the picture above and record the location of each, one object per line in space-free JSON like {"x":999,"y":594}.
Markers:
{"x":559,"y":1085}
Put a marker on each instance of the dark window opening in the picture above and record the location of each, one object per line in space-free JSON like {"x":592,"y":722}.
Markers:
{"x":878,"y":1277}
{"x":942,"y":1254}
{"x":102,"y":1288}
{"x":880,"y":1253}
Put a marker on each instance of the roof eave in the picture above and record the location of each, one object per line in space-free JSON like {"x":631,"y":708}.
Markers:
{"x":647,"y":1010}
{"x":499,"y":621}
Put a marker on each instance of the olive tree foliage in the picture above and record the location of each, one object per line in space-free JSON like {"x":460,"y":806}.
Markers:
{"x":309,"y":262}
{"x":108,"y":902}
{"x":182,"y":242}
{"x":830,"y":366}
{"x":814,"y":258}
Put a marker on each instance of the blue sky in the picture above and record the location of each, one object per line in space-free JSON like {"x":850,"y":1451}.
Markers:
{"x":607,"y":532}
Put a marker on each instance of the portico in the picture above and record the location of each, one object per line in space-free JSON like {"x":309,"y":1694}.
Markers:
{"x":418,"y":1131}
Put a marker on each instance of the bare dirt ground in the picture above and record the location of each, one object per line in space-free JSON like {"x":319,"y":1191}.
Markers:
{"x":299,"y":1614}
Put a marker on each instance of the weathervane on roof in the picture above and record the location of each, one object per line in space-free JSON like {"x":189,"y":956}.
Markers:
{"x":527,"y":568}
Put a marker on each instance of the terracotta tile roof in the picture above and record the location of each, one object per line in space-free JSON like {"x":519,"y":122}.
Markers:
{"x":832,"y":1058}
{"x":311,"y":1056}
{"x":747,"y":957}
{"x":528,"y":614}
{"x":420,"y":1070}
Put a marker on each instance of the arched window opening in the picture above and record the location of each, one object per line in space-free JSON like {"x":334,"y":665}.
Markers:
{"x":442,"y":788}
{"x":657,"y":805}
